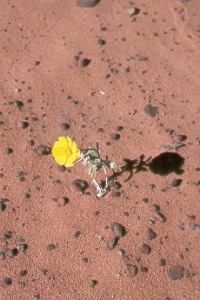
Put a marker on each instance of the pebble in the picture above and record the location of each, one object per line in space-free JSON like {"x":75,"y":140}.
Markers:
{"x":176,"y":182}
{"x":93,"y":283}
{"x":18,"y":103}
{"x":77,"y":234}
{"x":180,"y":137}
{"x":115,"y":136}
{"x":62,"y":168}
{"x":146,"y":249}
{"x":85,"y":62}
{"x":163,"y":262}
{"x":118,"y":229}
{"x":160,"y":217}
{"x":64,"y":126}
{"x":119,"y":128}
{"x":176,"y":272}
{"x":144,"y":269}
{"x":22,"y":247}
{"x":8,"y":150}
{"x":51,"y":247}
{"x":23,"y":273}
{"x":2,"y":207}
{"x":145,"y":200}
{"x":101,"y":42}
{"x":2,"y":255}
{"x":7,"y":281}
{"x":131,"y":270}
{"x":79,"y":185}
{"x":111,"y":243}
{"x":151,"y":234}
{"x":43,"y":150}
{"x":87,"y":3}
{"x":22,"y":124}
{"x":150,"y":110}
{"x":116,"y":185}
{"x":62,"y":201}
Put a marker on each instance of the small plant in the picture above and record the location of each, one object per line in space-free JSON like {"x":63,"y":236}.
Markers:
{"x":65,"y":152}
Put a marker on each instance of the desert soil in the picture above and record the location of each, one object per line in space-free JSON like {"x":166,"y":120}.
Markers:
{"x":124,"y":74}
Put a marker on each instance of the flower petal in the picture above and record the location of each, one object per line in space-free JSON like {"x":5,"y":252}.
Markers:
{"x":69,"y":141}
{"x":63,"y":142}
{"x":70,"y":160}
{"x":74,"y":148}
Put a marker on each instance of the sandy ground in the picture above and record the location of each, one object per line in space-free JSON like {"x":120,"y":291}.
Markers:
{"x":124,"y":74}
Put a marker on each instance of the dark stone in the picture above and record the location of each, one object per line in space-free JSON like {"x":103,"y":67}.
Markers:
{"x":115,"y":136}
{"x":22,"y":247}
{"x":163,"y":262}
{"x":37,"y":62}
{"x":180,"y":137}
{"x":151,"y":234}
{"x":111,"y":243}
{"x":62,"y":168}
{"x":22,"y":124}
{"x":94,"y":283}
{"x":101,"y":42}
{"x":116,"y":185}
{"x":176,"y":272}
{"x":146,"y":249}
{"x":18,"y":103}
{"x":2,"y":255}
{"x":118,"y":229}
{"x":44,"y":272}
{"x":80,"y":185}
{"x":2,"y":207}
{"x":64,"y":126}
{"x":77,"y":234}
{"x":145,"y":200}
{"x":63,"y":201}
{"x":85,"y":62}
{"x":43,"y":150}
{"x":23,"y":273}
{"x":176,"y":182}
{"x":87,"y":3}
{"x":131,"y":270}
{"x":151,"y":110}
{"x":119,"y":128}
{"x":7,"y":281}
{"x":51,"y":247}
{"x":144,"y":269}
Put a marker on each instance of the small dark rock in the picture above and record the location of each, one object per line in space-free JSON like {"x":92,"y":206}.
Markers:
{"x":119,"y":128}
{"x":2,"y":255}
{"x":118,"y":229}
{"x":146,"y":249}
{"x":37,"y":62}
{"x":176,"y":272}
{"x":111,"y":243}
{"x":62,"y":168}
{"x":145,"y":200}
{"x":77,"y":234}
{"x":151,"y":234}
{"x":85,"y":260}
{"x":22,"y":247}
{"x":23,"y":273}
{"x":43,"y":150}
{"x":44,"y":272}
{"x":87,"y":3}
{"x":12,"y":252}
{"x":22,"y":124}
{"x":101,"y":42}
{"x":131,"y":270}
{"x":8,"y":150}
{"x":180,"y":137}
{"x":160,"y":217}
{"x":116,"y":185}
{"x":18,"y":103}
{"x":94,"y":283}
{"x":176,"y":182}
{"x":151,"y":110}
{"x":63,"y":201}
{"x":2,"y":207}
{"x":64,"y":126}
{"x":144,"y":269}
{"x":163,"y":262}
{"x":7,"y":281}
{"x":85,"y":62}
{"x":51,"y":247}
{"x":80,"y":185}
{"x":115,"y":136}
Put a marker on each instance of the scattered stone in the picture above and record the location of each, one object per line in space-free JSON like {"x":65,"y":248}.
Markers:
{"x":22,"y":247}
{"x":163,"y":262}
{"x":118,"y":229}
{"x":133,"y":11}
{"x":37,"y":63}
{"x":115,"y":136}
{"x":160,"y":217}
{"x":85,"y":62}
{"x":85,"y":260}
{"x":77,"y":234}
{"x":94,"y":283}
{"x":176,"y":182}
{"x":146,"y":249}
{"x":119,"y":128}
{"x":180,"y":137}
{"x":154,"y":207}
{"x":12,"y":252}
{"x":44,"y":272}
{"x":151,"y":234}
{"x":111,"y":243}
{"x":151,"y":110}
{"x":22,"y":124}
{"x":18,"y":103}
{"x":116,"y":185}
{"x":172,"y":146}
{"x":101,"y":42}
{"x":80,"y":185}
{"x":131,"y":270}
{"x":151,"y":186}
{"x":144,"y":269}
{"x":43,"y":150}
{"x":62,"y":168}
{"x":191,"y":226}
{"x":2,"y":207}
{"x":64,"y":126}
{"x":23,"y":273}
{"x":87,"y":3}
{"x":51,"y":247}
{"x":2,"y":255}
{"x":145,"y":200}
{"x":7,"y":281}
{"x":176,"y":272}
{"x":62,"y":201}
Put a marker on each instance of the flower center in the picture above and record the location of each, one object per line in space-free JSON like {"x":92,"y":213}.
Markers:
{"x":67,"y":151}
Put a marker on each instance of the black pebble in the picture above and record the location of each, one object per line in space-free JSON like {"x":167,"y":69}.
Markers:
{"x":115,"y":136}
{"x":176,"y":182}
{"x":146,"y":249}
{"x":23,"y":273}
{"x":62,"y":168}
{"x":85,"y":62}
{"x":101,"y":42}
{"x":151,"y":110}
{"x":2,"y":255}
{"x":80,"y":185}
{"x":7,"y":281}
{"x":111,"y":243}
{"x":64,"y":126}
{"x":18,"y":103}
{"x":94,"y":283}
{"x":151,"y":234}
{"x":77,"y":234}
{"x":163,"y":262}
{"x":145,"y":200}
{"x":22,"y":247}
{"x":119,"y":128}
{"x":2,"y":207}
{"x":22,"y":124}
{"x":43,"y":150}
{"x":118,"y":229}
{"x":8,"y":150}
{"x":131,"y":270}
{"x":51,"y":247}
{"x":176,"y":272}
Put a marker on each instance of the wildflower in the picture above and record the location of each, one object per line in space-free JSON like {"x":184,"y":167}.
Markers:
{"x":65,"y":151}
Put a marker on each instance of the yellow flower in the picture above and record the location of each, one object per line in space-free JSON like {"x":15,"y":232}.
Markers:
{"x":65,"y":151}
